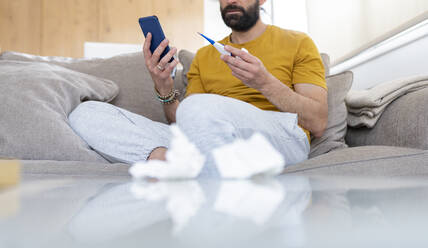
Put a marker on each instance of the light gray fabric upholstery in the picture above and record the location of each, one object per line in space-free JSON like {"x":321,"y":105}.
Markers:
{"x":326,"y":62}
{"x":403,"y":123}
{"x":366,"y":161}
{"x":358,"y":161}
{"x":334,"y":135}
{"x":36,"y":99}
{"x":186,"y":58}
{"x":46,"y":167}
{"x":128,"y":71}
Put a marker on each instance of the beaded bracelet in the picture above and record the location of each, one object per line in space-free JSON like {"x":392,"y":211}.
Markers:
{"x":159,"y":96}
{"x":168,"y":99}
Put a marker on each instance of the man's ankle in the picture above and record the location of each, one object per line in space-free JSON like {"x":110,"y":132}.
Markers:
{"x":158,"y":153}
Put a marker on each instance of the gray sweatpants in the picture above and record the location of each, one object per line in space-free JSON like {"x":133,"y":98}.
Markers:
{"x":208,"y":120}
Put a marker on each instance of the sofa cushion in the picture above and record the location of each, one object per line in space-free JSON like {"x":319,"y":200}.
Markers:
{"x":366,"y":161}
{"x":36,"y":99}
{"x":128,"y":71}
{"x":403,"y":123}
{"x":326,"y":62}
{"x":67,"y":168}
{"x":186,"y":58}
{"x":334,"y":135}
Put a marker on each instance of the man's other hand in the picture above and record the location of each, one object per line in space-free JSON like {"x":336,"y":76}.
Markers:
{"x":160,"y":70}
{"x":247,"y":68}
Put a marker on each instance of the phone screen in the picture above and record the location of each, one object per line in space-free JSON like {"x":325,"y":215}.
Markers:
{"x":151,"y":24}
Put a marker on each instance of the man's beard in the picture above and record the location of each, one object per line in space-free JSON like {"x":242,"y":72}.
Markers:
{"x":243,"y":22}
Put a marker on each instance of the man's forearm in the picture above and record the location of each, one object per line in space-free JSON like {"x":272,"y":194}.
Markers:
{"x":311,"y":113}
{"x":170,"y":110}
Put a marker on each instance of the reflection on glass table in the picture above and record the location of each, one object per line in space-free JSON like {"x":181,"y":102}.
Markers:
{"x":194,"y":213}
{"x":285,"y":211}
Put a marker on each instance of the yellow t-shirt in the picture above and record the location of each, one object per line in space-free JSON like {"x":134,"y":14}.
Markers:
{"x":290,"y":56}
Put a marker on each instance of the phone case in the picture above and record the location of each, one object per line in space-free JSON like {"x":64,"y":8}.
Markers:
{"x":151,"y":24}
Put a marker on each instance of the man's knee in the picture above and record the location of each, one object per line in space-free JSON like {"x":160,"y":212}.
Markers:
{"x":203,"y":114}
{"x":198,"y":109}
{"x":86,"y":113}
{"x":205,"y":104}
{"x":194,"y":103}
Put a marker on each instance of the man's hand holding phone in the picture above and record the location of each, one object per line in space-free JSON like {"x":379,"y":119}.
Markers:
{"x":160,"y":69}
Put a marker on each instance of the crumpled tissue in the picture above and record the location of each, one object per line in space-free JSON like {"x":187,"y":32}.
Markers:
{"x":183,"y":161}
{"x":243,"y":159}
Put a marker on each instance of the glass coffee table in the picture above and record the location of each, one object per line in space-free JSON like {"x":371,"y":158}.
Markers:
{"x":285,"y":211}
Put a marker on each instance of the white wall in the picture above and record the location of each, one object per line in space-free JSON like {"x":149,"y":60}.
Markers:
{"x":403,"y":55}
{"x":214,"y":26}
{"x":289,"y":14}
{"x":107,"y":50}
{"x":341,"y":26}
{"x":408,"y":60}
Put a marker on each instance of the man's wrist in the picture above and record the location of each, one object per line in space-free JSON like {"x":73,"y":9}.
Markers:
{"x":164,"y":89}
{"x":164,"y":93}
{"x":269,"y":85}
{"x":169,"y":98}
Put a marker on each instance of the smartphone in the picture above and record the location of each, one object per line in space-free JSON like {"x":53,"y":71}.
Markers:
{"x":151,"y":24}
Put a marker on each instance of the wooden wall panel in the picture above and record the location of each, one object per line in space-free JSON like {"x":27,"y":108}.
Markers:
{"x":66,"y":25}
{"x":180,"y":20}
{"x":20,"y":25}
{"x":119,"y":20}
{"x":60,"y":27}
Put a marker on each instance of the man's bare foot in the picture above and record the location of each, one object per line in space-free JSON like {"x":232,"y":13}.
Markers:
{"x":158,"y":154}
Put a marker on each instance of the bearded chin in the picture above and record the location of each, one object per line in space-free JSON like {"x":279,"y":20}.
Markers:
{"x":245,"y":21}
{"x":233,"y":20}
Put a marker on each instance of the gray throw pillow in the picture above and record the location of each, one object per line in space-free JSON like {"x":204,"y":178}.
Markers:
{"x":35,"y":101}
{"x":326,"y":62}
{"x":185,"y":57}
{"x":128,"y":71}
{"x":334,"y":135}
{"x":338,"y":87}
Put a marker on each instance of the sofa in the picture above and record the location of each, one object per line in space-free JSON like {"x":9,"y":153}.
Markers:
{"x":37,"y":93}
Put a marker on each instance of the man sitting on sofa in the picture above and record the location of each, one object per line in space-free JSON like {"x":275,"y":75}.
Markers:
{"x":278,"y":89}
